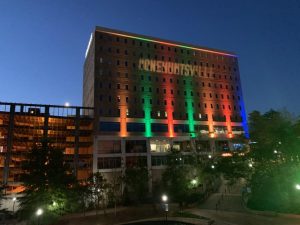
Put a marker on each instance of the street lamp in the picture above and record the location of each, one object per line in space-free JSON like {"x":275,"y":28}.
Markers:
{"x":194,"y":182}
{"x":212,"y":166}
{"x":38,"y":213}
{"x":164,"y":198}
{"x":14,"y":201}
{"x":297,"y":186}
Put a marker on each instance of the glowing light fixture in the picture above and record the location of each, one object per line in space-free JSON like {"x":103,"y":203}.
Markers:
{"x":164,"y":198}
{"x":39,"y":212}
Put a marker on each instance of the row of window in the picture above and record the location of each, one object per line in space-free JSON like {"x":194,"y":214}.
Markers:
{"x":166,"y":47}
{"x":204,"y":95}
{"x":164,"y":114}
{"x":157,"y":127}
{"x":174,"y":60}
{"x":157,"y":79}
{"x":161,"y":69}
{"x":170,"y":102}
{"x":142,"y":88}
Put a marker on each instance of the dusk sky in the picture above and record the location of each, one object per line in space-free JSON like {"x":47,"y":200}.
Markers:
{"x":42,"y":43}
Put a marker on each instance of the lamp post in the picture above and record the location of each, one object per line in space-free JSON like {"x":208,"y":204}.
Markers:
{"x":164,"y":198}
{"x":38,"y":213}
{"x":297,"y":186}
{"x":14,"y":201}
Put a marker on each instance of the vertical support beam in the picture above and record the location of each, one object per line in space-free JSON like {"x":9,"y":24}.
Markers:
{"x":149,"y":165}
{"x":95,"y":155}
{"x":228,"y":125}
{"x":123,"y":155}
{"x":10,"y":135}
{"x":123,"y":160}
{"x":76,"y":144}
{"x":212,"y":144}
{"x":170,"y":122}
{"x":46,"y":122}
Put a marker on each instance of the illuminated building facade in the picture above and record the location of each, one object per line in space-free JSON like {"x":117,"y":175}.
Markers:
{"x":150,"y":95}
{"x":22,"y":125}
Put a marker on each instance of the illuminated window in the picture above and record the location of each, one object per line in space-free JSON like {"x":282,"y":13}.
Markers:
{"x":166,"y":114}
{"x":200,"y":116}
{"x":127,"y":112}
{"x":158,"y":113}
{"x":119,"y":98}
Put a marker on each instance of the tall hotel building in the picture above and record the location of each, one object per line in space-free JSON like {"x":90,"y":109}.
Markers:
{"x":150,"y":95}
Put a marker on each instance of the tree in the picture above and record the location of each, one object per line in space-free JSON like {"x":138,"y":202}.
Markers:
{"x":275,"y":157}
{"x":136,"y":184}
{"x":183,"y":175}
{"x":235,"y":167}
{"x":98,"y":189}
{"x":48,"y":183}
{"x":115,"y":189}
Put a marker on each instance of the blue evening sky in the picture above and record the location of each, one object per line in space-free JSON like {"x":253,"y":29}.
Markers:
{"x":42,"y":43}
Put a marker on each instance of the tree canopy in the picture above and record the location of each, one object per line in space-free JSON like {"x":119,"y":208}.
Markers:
{"x":49,"y":185}
{"x":275,"y":146}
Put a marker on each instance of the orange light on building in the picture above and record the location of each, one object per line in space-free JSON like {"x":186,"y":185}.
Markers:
{"x":123,"y":128}
{"x":230,"y":135}
{"x":212,"y":135}
{"x":227,"y":154}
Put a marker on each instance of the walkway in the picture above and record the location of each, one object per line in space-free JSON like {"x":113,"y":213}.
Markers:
{"x":231,"y":211}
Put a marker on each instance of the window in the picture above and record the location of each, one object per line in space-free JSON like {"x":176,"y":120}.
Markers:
{"x":135,"y":127}
{"x":158,"y":127}
{"x":109,"y":126}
